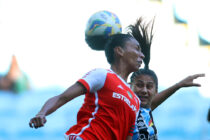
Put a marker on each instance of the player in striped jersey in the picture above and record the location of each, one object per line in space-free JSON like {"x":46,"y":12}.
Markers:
{"x":144,"y":83}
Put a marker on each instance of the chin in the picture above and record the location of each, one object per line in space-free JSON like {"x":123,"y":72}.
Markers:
{"x":136,"y":69}
{"x":145,"y":105}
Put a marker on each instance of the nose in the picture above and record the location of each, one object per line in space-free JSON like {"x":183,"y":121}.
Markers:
{"x":141,"y":55}
{"x":144,"y":90}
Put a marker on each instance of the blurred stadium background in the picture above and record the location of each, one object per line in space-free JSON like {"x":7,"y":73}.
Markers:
{"x":47,"y":37}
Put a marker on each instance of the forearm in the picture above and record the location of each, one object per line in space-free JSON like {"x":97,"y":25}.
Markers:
{"x":51,"y":105}
{"x":187,"y":82}
{"x":55,"y":102}
{"x":163,"y":95}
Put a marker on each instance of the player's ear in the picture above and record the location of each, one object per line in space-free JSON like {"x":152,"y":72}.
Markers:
{"x":119,"y":51}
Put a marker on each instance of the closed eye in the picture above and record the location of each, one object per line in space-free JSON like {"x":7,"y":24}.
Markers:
{"x":139,"y":48}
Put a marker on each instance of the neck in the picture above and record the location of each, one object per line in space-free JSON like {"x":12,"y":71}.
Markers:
{"x":146,"y":106}
{"x":121,"y":71}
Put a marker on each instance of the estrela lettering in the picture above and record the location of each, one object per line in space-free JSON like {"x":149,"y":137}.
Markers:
{"x":125,"y":99}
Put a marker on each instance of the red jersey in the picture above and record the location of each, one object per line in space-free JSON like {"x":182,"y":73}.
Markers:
{"x":109,"y":108}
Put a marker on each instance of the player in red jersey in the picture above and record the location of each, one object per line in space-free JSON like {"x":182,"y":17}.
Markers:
{"x":110,"y":107}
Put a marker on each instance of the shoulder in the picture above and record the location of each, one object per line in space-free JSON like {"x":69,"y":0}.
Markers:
{"x":102,"y":70}
{"x":94,"y":79}
{"x":96,"y":72}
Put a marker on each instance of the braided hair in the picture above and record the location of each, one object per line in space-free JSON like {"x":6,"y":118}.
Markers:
{"x":143,"y":33}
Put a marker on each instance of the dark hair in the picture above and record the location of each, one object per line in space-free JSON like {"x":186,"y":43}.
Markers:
{"x":107,"y":43}
{"x":114,"y":41}
{"x":140,"y":31}
{"x":96,"y":42}
{"x":148,"y":72}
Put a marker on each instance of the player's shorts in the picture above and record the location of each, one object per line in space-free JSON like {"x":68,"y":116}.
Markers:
{"x":72,"y":137}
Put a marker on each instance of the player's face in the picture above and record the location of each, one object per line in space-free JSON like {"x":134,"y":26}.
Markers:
{"x":132,"y":55}
{"x":144,"y":87}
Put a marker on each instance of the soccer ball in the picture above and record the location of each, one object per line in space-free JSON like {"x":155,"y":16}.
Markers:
{"x":103,"y":23}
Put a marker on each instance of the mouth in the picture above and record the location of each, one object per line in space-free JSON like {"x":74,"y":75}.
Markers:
{"x":139,"y":63}
{"x":143,"y":98}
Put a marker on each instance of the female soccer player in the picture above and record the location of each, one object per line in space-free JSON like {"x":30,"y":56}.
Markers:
{"x":110,"y":107}
{"x":144,"y":83}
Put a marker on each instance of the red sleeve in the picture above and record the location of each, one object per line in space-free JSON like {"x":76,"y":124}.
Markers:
{"x":130,"y":133}
{"x":85,"y":84}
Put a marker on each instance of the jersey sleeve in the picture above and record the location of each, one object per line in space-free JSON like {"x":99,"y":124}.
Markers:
{"x":130,"y":133}
{"x":94,"y":80}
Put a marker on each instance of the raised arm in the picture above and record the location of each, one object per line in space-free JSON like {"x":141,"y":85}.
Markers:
{"x":55,"y":102}
{"x":162,"y":96}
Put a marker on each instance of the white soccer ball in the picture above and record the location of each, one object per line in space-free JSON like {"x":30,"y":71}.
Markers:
{"x":103,"y":23}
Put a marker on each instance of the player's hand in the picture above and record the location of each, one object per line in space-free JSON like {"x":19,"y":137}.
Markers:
{"x":188,"y":81}
{"x":38,"y":121}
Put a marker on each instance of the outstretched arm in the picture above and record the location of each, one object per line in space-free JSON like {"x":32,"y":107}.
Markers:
{"x":162,"y":96}
{"x":55,"y":102}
